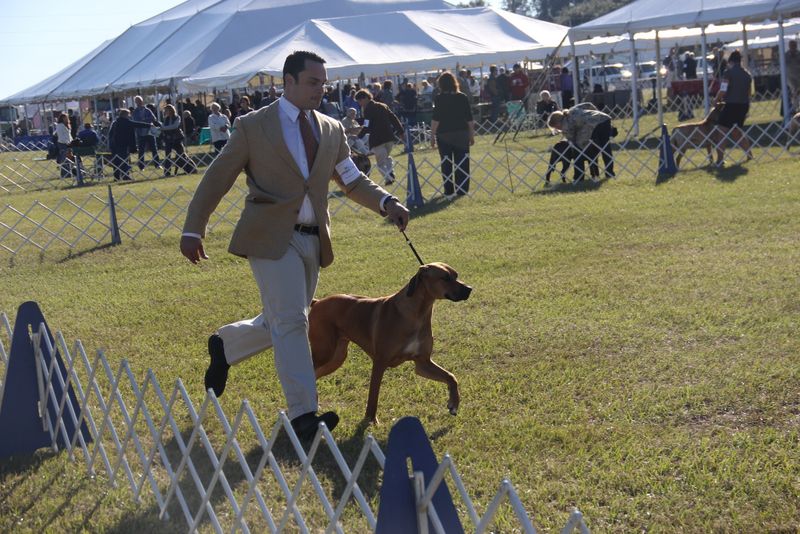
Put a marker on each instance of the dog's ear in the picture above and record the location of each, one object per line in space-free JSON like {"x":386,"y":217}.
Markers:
{"x":415,"y":280}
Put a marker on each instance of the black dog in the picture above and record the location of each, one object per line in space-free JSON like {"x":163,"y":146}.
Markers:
{"x":562,"y":152}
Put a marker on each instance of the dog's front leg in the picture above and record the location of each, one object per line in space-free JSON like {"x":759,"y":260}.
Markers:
{"x":375,"y":380}
{"x":428,"y":369}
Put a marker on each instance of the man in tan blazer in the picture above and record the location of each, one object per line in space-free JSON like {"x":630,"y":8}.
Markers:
{"x":289,"y":154}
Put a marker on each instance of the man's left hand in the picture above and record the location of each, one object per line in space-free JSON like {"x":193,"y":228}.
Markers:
{"x":397,"y":213}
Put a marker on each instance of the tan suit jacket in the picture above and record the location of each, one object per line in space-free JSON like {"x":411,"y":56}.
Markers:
{"x":276,"y":185}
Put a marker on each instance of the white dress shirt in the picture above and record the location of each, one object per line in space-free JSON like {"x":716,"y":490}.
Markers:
{"x":288,"y":114}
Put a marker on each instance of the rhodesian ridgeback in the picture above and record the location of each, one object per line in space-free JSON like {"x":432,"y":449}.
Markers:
{"x":699,"y":134}
{"x":391,"y":330}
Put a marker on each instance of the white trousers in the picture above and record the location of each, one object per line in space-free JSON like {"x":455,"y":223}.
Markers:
{"x":287,"y":286}
{"x":382,"y":158}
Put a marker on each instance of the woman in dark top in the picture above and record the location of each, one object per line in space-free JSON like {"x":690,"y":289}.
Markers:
{"x":453,"y":129}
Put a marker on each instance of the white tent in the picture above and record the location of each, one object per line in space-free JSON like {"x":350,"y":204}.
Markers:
{"x":191,"y":37}
{"x":683,"y":37}
{"x":646,"y":15}
{"x":393,"y":43}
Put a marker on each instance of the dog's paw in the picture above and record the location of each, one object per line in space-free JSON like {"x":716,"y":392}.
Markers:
{"x":452,"y":408}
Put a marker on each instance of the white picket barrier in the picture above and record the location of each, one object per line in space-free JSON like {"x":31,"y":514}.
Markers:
{"x":137,"y":446}
{"x":82,"y":225}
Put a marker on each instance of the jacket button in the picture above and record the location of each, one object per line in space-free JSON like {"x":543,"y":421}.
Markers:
{"x":297,"y":211}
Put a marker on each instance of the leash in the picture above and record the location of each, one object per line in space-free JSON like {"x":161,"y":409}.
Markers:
{"x":412,"y":248}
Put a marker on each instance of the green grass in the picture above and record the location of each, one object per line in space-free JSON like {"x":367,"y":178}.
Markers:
{"x":629,"y":349}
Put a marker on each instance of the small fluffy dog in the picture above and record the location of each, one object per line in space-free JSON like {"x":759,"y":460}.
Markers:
{"x":700,"y":134}
{"x":391,"y":330}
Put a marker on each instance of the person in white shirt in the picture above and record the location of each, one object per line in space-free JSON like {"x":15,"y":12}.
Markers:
{"x":220,"y":127}
{"x":64,"y":138}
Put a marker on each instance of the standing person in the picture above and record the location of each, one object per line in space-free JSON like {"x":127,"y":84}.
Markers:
{"x":408,"y":103}
{"x":63,"y":135}
{"x":463,"y":85}
{"x":518,"y":83}
{"x":386,"y":95}
{"x":382,"y":125}
{"x":219,"y":127}
{"x":735,"y":92}
{"x":144,"y":136}
{"x":244,"y":106}
{"x":290,"y":153}
{"x":189,"y":129}
{"x":493,"y":91}
{"x":590,"y":131}
{"x":503,"y":85}
{"x":173,"y":135}
{"x":567,"y":89}
{"x":453,"y":129}
{"x":793,"y":75}
{"x":122,"y":142}
{"x":689,"y":66}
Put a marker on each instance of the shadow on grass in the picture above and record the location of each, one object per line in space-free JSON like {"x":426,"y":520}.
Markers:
{"x":146,"y":519}
{"x":23,"y":468}
{"x":729,"y":174}
{"x":74,"y":256}
{"x":572,"y":187}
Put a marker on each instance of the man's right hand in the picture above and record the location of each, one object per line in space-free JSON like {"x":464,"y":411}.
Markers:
{"x":192,"y":248}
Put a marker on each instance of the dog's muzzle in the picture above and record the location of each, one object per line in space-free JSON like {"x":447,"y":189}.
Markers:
{"x":462,"y":293}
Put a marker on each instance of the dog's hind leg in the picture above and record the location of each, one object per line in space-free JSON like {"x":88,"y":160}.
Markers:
{"x":428,"y":369}
{"x":329,"y":359}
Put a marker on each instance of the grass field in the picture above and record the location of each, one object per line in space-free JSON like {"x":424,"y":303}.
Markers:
{"x":629,"y":349}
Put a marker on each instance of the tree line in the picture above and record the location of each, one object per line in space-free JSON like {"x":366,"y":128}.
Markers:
{"x":566,"y":12}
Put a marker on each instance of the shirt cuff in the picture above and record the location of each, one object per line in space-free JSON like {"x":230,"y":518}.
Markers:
{"x":191,"y":234}
{"x":385,"y":199}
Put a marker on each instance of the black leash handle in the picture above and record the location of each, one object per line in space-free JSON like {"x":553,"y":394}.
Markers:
{"x":412,"y":248}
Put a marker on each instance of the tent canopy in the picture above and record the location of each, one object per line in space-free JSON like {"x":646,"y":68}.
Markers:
{"x":396,"y":42}
{"x":682,"y":37}
{"x":646,"y":15}
{"x":191,"y":37}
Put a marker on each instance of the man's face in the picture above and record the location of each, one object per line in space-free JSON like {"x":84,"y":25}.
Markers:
{"x":307,"y":91}
{"x":363,"y":102}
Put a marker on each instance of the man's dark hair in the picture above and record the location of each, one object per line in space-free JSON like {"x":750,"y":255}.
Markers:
{"x":296,"y":63}
{"x":362,"y":94}
{"x":735,"y":57}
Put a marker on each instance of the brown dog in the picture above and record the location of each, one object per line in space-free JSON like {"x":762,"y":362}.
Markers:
{"x":700,"y":134}
{"x":391,"y":330}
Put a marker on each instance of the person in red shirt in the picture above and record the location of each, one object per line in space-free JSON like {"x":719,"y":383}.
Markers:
{"x":518,"y":83}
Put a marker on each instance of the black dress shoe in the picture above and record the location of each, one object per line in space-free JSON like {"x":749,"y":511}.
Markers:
{"x":217,"y":372}
{"x":305,"y":426}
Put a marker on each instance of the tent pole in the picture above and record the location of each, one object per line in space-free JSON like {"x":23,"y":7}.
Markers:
{"x":704,"y":49}
{"x":658,"y":81}
{"x":782,"y":59}
{"x":634,"y":86}
{"x":745,"y":51}
{"x":576,"y":88}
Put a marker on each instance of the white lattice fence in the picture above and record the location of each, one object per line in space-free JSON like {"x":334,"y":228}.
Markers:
{"x":202,"y":467}
{"x":81,"y":225}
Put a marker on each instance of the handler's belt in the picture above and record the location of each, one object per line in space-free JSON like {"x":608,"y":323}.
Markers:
{"x":306,"y":229}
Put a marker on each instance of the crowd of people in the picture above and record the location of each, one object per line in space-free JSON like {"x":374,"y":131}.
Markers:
{"x":376,"y":114}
